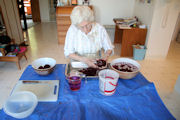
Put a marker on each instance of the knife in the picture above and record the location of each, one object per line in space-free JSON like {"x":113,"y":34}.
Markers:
{"x":33,"y":81}
{"x":27,"y":81}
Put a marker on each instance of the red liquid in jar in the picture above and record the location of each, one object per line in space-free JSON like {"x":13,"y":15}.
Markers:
{"x":74,"y":83}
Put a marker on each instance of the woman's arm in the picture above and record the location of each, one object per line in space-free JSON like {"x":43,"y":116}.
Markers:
{"x":107,"y":54}
{"x":69,"y":48}
{"x":106,"y":44}
{"x":69,"y":41}
{"x":89,"y":62}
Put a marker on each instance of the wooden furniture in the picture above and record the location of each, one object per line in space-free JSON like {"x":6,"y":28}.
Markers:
{"x":13,"y":32}
{"x":129,"y":37}
{"x":74,"y":2}
{"x":27,"y":7}
{"x":16,"y":58}
{"x":35,"y":10}
{"x":63,"y":21}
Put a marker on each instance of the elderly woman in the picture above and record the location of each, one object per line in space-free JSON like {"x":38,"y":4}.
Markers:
{"x":85,"y":38}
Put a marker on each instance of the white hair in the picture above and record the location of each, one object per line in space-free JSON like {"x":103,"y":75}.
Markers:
{"x":80,"y":14}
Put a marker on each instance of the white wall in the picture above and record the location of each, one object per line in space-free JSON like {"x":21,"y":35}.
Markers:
{"x":144,"y":12}
{"x":177,"y":29}
{"x":44,"y":10}
{"x":106,"y":10}
{"x":163,"y":24}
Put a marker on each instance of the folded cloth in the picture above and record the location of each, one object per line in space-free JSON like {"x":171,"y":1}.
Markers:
{"x":22,"y":49}
{"x":11,"y":54}
{"x":3,"y":45}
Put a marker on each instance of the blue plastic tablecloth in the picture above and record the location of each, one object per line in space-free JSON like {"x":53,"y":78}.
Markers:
{"x":134,"y":99}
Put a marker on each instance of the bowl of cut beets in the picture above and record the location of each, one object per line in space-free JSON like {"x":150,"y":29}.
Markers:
{"x":44,"y":66}
{"x":102,"y":64}
{"x":127,"y":68}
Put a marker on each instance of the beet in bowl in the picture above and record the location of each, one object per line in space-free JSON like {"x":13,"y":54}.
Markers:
{"x":44,"y":66}
{"x":126,"y":67}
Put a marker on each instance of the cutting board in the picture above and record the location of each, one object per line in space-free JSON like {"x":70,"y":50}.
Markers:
{"x":45,"y":90}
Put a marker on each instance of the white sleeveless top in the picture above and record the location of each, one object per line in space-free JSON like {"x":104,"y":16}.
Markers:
{"x":86,"y":44}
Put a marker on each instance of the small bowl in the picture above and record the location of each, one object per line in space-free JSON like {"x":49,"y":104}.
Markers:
{"x":126,"y":75}
{"x":42,"y":62}
{"x":21,"y":104}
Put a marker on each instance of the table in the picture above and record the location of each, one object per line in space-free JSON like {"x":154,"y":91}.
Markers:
{"x":134,"y":99}
{"x":129,"y":37}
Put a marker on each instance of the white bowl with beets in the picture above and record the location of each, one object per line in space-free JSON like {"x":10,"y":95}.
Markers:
{"x":44,"y":66}
{"x":126,"y":67}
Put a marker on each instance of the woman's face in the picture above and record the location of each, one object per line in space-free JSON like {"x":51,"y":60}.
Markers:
{"x":85,"y":26}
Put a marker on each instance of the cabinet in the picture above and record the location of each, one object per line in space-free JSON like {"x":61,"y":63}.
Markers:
{"x":129,"y":37}
{"x":63,"y":21}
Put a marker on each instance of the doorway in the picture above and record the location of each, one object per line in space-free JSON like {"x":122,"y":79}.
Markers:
{"x":3,"y":30}
{"x":176,"y":34}
{"x":29,"y":13}
{"x":174,"y":48}
{"x":52,"y":10}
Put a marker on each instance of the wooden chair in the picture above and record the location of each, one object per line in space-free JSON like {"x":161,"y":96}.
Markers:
{"x":16,"y":58}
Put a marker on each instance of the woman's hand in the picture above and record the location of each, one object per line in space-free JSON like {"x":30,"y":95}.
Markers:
{"x":106,"y":55}
{"x":90,"y":63}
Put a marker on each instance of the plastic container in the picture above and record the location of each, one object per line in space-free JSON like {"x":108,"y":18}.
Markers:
{"x":108,"y":81}
{"x":20,"y":104}
{"x":139,"y":53}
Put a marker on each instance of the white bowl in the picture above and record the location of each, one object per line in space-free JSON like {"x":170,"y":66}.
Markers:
{"x":20,"y":104}
{"x":41,"y":62}
{"x":126,"y":75}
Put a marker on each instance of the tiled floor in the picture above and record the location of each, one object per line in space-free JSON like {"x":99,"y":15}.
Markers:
{"x":43,"y":43}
